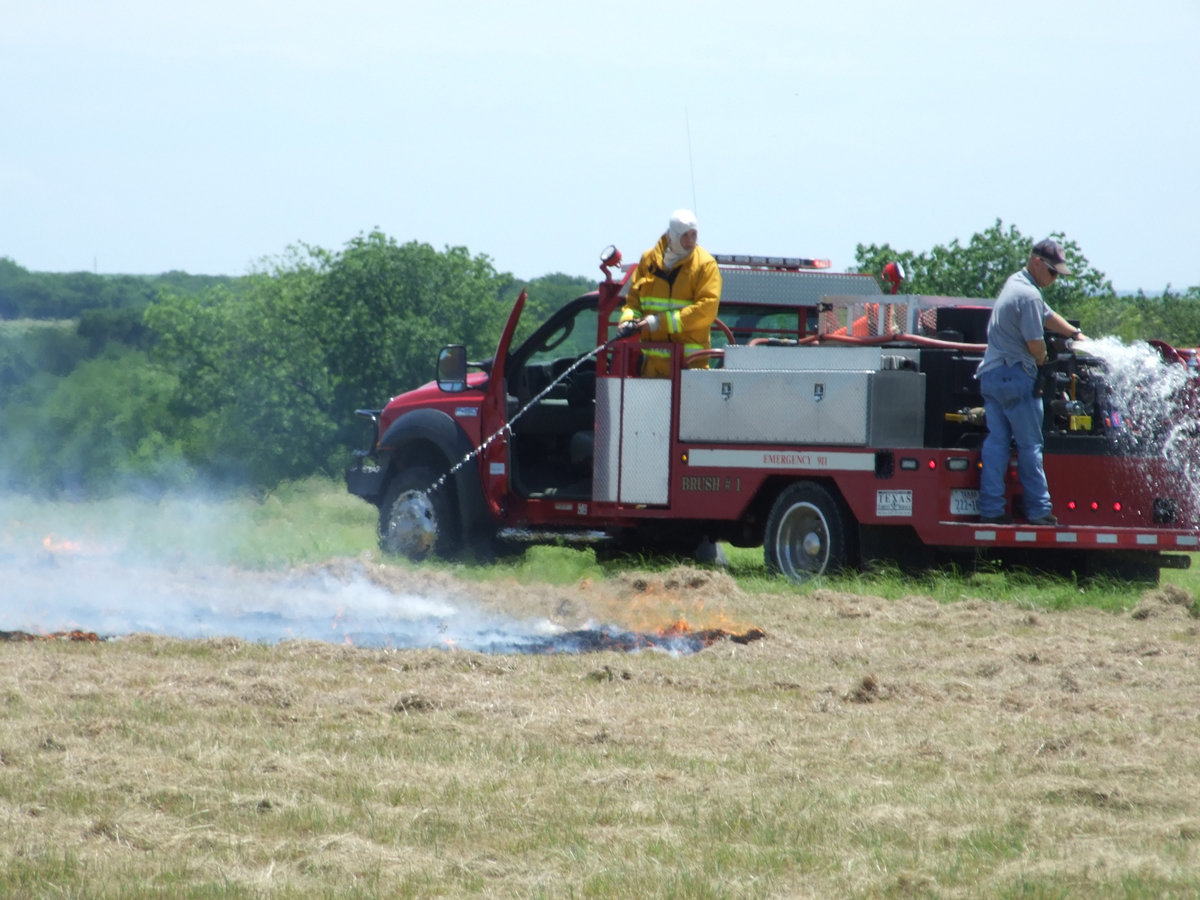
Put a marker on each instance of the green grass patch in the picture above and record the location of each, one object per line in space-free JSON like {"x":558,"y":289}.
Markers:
{"x":314,"y":520}
{"x":302,"y":522}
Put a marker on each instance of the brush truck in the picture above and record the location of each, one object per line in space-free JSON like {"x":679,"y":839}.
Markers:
{"x":832,"y":424}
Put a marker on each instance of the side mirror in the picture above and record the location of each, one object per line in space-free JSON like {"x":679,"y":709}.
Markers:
{"x":452,"y":369}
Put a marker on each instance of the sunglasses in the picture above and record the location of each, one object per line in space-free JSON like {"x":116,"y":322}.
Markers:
{"x":1049,"y":267}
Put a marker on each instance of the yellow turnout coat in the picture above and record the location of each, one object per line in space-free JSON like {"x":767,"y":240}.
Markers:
{"x":685,"y":299}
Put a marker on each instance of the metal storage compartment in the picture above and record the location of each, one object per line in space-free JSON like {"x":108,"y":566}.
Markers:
{"x":632,"y":459}
{"x":854,"y":397}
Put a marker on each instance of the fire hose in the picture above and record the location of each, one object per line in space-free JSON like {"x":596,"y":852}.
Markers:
{"x":507,"y":426}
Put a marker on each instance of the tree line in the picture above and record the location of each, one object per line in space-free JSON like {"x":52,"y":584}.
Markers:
{"x":979,"y":269}
{"x":109,"y":383}
{"x":160,"y":382}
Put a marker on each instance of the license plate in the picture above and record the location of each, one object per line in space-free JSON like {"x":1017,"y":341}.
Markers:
{"x":964,"y":502}
{"x":893,"y":503}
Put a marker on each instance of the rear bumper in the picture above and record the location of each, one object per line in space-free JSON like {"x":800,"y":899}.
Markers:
{"x":1065,"y":536}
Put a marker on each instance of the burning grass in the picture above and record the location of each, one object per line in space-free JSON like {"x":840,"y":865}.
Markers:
{"x":73,"y":635}
{"x":866,"y":747}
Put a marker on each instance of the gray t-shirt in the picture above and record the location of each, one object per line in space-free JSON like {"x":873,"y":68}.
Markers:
{"x":1019,"y":315}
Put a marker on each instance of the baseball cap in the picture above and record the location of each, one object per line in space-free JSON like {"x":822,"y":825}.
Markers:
{"x":1052,"y":253}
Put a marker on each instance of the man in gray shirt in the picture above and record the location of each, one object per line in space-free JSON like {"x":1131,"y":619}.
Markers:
{"x":1016,"y":346}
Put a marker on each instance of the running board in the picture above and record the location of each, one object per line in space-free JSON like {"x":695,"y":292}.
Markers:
{"x":549,"y":536}
{"x":1078,"y":537}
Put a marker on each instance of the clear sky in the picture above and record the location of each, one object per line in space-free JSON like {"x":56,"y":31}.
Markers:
{"x":142,"y":136}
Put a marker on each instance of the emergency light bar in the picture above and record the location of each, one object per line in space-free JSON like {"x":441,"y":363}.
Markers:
{"x":772,"y":262}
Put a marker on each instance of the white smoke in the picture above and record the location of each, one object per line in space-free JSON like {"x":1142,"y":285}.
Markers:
{"x":66,"y":591}
{"x":117,"y":580}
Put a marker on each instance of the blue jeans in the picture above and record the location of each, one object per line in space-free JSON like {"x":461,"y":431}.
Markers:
{"x":1014,"y":414}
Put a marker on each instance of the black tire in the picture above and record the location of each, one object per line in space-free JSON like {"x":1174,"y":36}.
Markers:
{"x":808,"y":533}
{"x":417,"y":519}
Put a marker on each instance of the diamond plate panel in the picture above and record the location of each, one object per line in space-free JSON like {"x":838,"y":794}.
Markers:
{"x":774,"y":407}
{"x":646,"y":440}
{"x":897,"y":415}
{"x":632,"y":461}
{"x":846,"y":408}
{"x":607,"y":450}
{"x":823,"y":359}
{"x":771,"y":288}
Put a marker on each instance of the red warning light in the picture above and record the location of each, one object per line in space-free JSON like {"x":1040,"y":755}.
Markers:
{"x":1095,"y":506}
{"x":1071,"y":504}
{"x":1117,"y":506}
{"x":932,"y":464}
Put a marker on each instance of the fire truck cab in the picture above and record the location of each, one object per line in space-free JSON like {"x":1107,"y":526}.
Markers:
{"x":830,"y":423}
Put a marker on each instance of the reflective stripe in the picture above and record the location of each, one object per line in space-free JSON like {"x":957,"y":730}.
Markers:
{"x":662,"y":304}
{"x":662,"y":354}
{"x":668,"y":312}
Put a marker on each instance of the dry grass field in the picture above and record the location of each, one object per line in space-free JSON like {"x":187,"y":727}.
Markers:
{"x":863,"y":748}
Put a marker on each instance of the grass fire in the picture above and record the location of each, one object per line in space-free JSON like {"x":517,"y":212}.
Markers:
{"x":255,"y":728}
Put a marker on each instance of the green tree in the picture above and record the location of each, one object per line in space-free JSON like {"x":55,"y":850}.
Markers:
{"x":381,"y":311}
{"x":253,"y":398}
{"x":268,"y":380}
{"x":1172,"y":317}
{"x":28,"y":349}
{"x":980,"y":268}
{"x":95,"y":430}
{"x":55,"y":295}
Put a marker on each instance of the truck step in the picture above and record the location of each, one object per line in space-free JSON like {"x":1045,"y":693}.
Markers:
{"x":550,"y":536}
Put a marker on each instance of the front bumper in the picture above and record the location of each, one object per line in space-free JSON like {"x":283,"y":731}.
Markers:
{"x":366,"y":476}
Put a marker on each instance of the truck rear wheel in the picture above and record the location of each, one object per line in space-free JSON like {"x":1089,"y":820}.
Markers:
{"x":807,"y":533}
{"x":416,"y":520}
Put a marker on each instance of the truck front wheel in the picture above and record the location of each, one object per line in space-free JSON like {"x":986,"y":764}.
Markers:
{"x":807,"y":533}
{"x":417,"y":519}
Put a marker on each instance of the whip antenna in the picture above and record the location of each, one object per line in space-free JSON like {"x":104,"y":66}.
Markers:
{"x":687,"y":124}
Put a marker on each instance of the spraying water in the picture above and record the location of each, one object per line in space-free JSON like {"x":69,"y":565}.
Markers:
{"x":507,"y":427}
{"x":1153,"y":408}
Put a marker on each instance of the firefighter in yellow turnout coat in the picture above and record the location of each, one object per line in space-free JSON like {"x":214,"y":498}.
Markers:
{"x":673,"y":296}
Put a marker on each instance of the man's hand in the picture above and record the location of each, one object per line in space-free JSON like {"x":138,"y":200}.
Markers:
{"x":628,"y":329}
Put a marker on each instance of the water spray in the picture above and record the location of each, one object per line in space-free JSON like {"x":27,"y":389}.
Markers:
{"x":1155,"y":400}
{"x":507,"y":426}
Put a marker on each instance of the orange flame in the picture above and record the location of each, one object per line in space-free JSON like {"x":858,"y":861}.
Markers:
{"x":52,"y":543}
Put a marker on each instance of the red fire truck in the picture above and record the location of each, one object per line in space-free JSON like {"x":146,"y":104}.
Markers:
{"x":832,"y":424}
